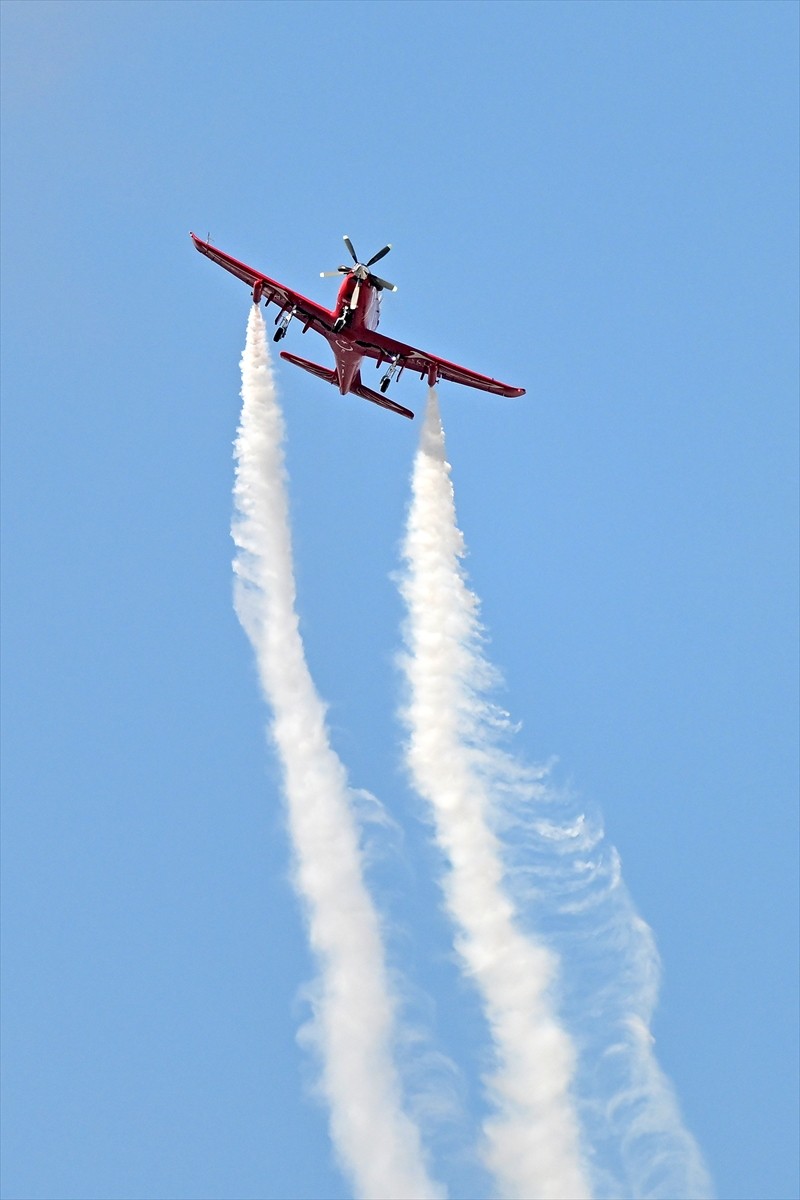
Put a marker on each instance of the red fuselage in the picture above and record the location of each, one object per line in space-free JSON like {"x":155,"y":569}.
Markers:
{"x":365,"y":316}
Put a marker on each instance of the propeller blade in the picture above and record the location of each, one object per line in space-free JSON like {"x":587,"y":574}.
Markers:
{"x":384,"y":283}
{"x":338,"y":271}
{"x":349,"y":245}
{"x":381,"y":254}
{"x":354,"y":297}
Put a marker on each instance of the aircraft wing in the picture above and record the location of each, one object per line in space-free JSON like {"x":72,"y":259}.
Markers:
{"x":309,"y":313}
{"x":384,"y":349}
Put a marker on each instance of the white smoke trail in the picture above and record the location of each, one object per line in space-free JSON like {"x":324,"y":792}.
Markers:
{"x":533,"y":1141}
{"x":378,"y":1145}
{"x":557,"y":860}
{"x":610,"y":981}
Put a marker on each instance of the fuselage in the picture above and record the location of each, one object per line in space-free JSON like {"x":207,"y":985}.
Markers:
{"x":365,"y":316}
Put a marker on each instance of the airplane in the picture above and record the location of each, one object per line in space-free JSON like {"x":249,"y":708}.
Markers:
{"x":351,"y":330}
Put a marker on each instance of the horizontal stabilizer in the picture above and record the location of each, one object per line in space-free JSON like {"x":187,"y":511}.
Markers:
{"x":358,"y":389}
{"x":314,"y":368}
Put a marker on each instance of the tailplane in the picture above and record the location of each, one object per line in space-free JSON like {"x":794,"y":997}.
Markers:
{"x":358,"y":388}
{"x":313,"y":368}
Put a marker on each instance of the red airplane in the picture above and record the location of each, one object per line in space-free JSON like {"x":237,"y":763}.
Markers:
{"x":351,"y":330}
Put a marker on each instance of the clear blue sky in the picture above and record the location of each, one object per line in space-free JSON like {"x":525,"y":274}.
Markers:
{"x":595,"y":201}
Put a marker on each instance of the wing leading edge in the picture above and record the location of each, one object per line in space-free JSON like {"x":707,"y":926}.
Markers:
{"x":308,"y":312}
{"x":385,"y":349}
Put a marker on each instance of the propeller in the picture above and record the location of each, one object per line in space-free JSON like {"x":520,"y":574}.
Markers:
{"x":383,"y":283}
{"x":361,"y":272}
{"x":381,"y":254}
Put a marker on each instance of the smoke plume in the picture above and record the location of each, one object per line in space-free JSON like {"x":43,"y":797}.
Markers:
{"x":354,"y":1018}
{"x":532,"y":1140}
{"x":564,"y":867}
{"x":603,"y":1119}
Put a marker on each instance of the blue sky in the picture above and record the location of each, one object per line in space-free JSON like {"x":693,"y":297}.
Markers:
{"x":594,"y":201}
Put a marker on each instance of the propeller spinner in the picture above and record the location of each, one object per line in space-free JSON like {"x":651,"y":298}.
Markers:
{"x":361,"y":272}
